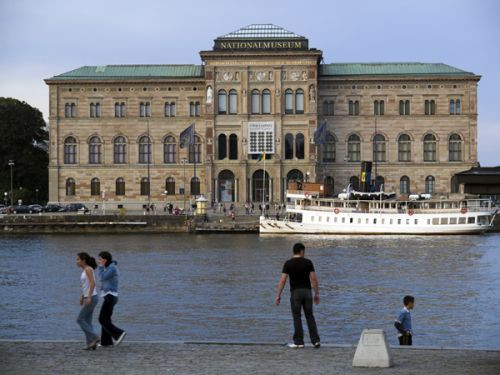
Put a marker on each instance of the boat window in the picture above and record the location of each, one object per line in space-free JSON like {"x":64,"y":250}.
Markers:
{"x":444,"y":220}
{"x":374,"y":221}
{"x":319,"y":218}
{"x":328,"y":219}
{"x":351,"y":220}
{"x":453,"y":220}
{"x":435,"y":221}
{"x":407,"y":221}
{"x":367,"y":220}
{"x":483,"y":219}
{"x":471,"y":220}
{"x":416,"y":221}
{"x":383,"y":221}
{"x":428,"y":221}
{"x":343,"y":220}
{"x":461,"y":220}
{"x":390,"y":221}
{"x":359,"y":220}
{"x":399,"y":221}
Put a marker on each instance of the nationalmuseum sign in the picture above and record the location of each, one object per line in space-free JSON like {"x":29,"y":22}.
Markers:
{"x":253,"y":45}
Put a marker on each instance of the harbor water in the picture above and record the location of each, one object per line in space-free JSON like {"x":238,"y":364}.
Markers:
{"x":222,"y":287}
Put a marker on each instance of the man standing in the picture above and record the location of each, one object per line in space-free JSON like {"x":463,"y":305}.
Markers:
{"x":301,"y":272}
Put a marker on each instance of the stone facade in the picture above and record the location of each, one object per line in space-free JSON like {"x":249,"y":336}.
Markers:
{"x":225,"y":169}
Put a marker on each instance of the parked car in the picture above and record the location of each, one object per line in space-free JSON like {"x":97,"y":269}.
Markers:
{"x":75,"y":207}
{"x":51,"y":208}
{"x":20,"y":209}
{"x":35,"y":208}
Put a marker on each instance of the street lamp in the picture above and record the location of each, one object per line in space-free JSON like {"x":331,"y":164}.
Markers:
{"x":11,"y":164}
{"x":165,"y":193}
{"x":5,"y":199}
{"x":307,"y":176}
{"x":36,"y":195}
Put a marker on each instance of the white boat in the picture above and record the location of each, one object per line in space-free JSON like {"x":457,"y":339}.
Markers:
{"x":307,"y":212}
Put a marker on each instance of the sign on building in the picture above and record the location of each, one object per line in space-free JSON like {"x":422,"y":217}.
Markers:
{"x":261,"y":137}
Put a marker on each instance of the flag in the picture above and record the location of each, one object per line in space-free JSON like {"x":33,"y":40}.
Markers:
{"x":262,"y":156}
{"x":320,"y":134}
{"x":187,"y":136}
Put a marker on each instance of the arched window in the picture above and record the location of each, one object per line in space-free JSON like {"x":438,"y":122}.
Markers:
{"x":430,"y":184}
{"x":266,"y":101}
{"x":455,"y":148}
{"x":452,"y":106}
{"x":329,"y":148}
{"x":233,"y":102}
{"x":222,"y":102}
{"x":299,"y":146}
{"x":222,"y":146}
{"x":70,"y":187}
{"x":430,"y":147}
{"x":120,"y":186}
{"x":195,"y":150}
{"x":119,"y":109}
{"x":169,"y":150}
{"x":145,"y":186}
{"x":144,"y":150}
{"x":288,"y":146}
{"x":379,"y":147}
{"x":378,"y":107}
{"x":430,"y":107}
{"x":354,"y":181}
{"x":404,"y":148}
{"x":95,"y":150}
{"x":95,"y":186}
{"x":457,"y":107}
{"x":454,"y":187}
{"x":255,"y":101}
{"x":294,"y":175}
{"x":404,"y":185}
{"x":144,"y":109}
{"x":170,"y":186}
{"x":195,"y":186}
{"x":169,"y":109}
{"x":329,"y":185}
{"x":233,"y":147}
{"x":70,"y":150}
{"x":299,"y":101}
{"x":353,"y":107}
{"x":404,"y":107}
{"x":98,"y":110}
{"x":120,"y":150}
{"x":354,"y":148}
{"x":288,"y":101}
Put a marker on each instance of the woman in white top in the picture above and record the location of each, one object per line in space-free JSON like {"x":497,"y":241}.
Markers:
{"x":88,"y":299}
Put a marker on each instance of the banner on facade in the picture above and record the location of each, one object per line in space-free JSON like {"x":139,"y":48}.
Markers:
{"x":261,"y":137}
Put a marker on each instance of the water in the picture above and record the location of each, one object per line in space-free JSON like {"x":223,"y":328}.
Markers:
{"x":222,"y":287}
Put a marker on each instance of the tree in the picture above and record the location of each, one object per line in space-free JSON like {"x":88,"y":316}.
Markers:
{"x":24,"y":139}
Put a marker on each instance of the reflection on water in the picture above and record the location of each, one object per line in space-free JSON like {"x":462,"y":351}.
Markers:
{"x":221,"y":287}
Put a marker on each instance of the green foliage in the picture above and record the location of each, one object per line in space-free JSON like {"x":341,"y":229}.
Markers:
{"x":24,"y":139}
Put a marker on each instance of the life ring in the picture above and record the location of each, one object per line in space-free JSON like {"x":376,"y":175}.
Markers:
{"x":336,"y":210}
{"x":411,"y":212}
{"x":463,"y":210}
{"x":307,"y":195}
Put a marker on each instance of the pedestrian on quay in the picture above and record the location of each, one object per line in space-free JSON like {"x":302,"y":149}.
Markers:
{"x":109,"y":275}
{"x":302,"y":274}
{"x":88,"y":299}
{"x":403,"y":321}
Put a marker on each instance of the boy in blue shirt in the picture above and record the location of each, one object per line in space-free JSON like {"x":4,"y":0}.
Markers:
{"x":403,"y":322}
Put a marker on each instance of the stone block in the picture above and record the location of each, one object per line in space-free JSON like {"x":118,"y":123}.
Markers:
{"x":372,"y":350}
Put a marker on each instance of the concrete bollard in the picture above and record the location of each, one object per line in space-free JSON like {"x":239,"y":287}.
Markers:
{"x":372,"y":350}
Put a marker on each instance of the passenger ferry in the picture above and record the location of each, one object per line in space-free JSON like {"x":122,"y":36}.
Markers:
{"x":379,"y":213}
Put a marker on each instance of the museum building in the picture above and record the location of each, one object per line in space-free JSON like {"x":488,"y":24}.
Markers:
{"x":255,"y":102}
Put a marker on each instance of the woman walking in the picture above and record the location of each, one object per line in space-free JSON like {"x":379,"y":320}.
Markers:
{"x":108,"y":274}
{"x":88,"y":299}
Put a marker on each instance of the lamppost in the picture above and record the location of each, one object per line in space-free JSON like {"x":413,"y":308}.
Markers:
{"x":165,"y":193}
{"x":11,"y":164}
{"x":184,"y":160}
{"x":307,"y":176}
{"x":5,"y":199}
{"x":36,"y":195}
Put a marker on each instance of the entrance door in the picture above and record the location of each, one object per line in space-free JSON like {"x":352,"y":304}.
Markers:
{"x":260,"y":186}
{"x":226,"y":186}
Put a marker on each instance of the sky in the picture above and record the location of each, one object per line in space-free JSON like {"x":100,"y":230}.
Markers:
{"x":43,"y":38}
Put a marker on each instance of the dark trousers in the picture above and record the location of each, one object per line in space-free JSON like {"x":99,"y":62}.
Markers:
{"x":109,"y":330}
{"x":302,"y":299}
{"x":405,"y":340}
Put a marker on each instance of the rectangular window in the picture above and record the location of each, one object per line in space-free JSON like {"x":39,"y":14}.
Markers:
{"x":399,"y":221}
{"x":471,"y":220}
{"x":351,"y":220}
{"x":444,"y":221}
{"x":312,"y":218}
{"x":453,"y":220}
{"x":343,"y":220}
{"x":461,"y":220}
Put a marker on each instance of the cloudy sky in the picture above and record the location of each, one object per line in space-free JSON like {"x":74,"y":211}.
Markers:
{"x":39,"y":39}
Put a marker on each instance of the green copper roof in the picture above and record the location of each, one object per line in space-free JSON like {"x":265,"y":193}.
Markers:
{"x":261,"y":31}
{"x":132,"y":71}
{"x":343,"y":69}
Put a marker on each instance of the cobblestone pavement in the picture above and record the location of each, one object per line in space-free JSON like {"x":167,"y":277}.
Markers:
{"x":177,"y":358}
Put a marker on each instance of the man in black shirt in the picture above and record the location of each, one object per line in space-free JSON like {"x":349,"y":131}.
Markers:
{"x":301,"y":272}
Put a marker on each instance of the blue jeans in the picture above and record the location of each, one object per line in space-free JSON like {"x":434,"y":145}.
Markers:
{"x":302,"y":299}
{"x":85,"y":319}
